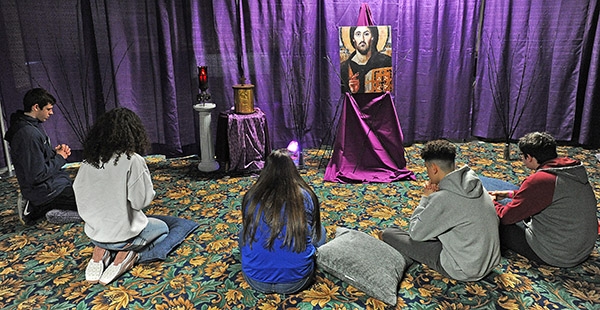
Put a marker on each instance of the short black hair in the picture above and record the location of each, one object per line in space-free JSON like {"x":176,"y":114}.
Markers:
{"x":38,"y":96}
{"x":539,"y":145}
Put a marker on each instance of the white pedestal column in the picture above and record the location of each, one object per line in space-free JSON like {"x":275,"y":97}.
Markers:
{"x":207,"y":149}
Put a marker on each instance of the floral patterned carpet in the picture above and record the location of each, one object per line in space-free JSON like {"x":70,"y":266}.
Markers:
{"x":42,"y":266}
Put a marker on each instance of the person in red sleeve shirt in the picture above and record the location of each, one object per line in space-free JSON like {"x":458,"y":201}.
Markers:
{"x":551,"y":219}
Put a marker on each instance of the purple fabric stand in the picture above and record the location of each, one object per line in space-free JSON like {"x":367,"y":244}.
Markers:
{"x":365,"y":18}
{"x":244,"y":143}
{"x":368,"y":145}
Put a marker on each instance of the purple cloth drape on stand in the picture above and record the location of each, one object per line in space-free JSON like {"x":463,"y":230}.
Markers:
{"x":368,"y":145}
{"x":365,"y":18}
{"x":248,"y":141}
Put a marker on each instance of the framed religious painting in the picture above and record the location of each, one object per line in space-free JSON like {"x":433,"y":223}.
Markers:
{"x":366,"y":59}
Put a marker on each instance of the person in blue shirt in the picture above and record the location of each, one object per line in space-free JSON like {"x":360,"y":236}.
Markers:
{"x":281,"y":229}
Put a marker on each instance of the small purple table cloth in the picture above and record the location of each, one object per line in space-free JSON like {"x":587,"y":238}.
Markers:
{"x":244,"y":143}
{"x":368,"y":146}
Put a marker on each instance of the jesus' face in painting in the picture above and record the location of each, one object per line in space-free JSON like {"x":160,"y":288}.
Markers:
{"x":363,"y":39}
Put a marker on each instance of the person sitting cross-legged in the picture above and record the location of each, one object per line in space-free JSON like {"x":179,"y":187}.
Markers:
{"x":281,"y":229}
{"x":551,"y":218}
{"x":454,"y":230}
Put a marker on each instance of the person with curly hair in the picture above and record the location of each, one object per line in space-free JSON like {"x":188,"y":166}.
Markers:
{"x":281,"y":229}
{"x":112,"y":187}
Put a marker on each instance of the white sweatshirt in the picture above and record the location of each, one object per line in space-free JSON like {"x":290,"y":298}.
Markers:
{"x":110,"y":199}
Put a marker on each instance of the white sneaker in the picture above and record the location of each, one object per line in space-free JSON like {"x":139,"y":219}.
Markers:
{"x":115,"y":270}
{"x":94,"y":269}
{"x":22,"y":211}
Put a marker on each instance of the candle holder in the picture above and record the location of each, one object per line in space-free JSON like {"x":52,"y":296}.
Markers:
{"x":203,"y":96}
{"x":204,"y":109}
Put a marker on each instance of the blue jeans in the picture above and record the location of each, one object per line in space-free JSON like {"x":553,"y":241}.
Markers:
{"x":281,"y":288}
{"x":155,"y":232}
{"x":292,"y":287}
{"x":492,"y":184}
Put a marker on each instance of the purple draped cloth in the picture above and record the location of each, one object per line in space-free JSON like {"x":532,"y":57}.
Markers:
{"x":368,"y":145}
{"x":365,"y":18}
{"x":247,"y":141}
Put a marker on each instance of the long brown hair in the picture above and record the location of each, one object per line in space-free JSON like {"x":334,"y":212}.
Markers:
{"x":277,"y":196}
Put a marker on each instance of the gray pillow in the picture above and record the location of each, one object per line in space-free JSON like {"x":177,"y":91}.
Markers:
{"x":364,"y":262}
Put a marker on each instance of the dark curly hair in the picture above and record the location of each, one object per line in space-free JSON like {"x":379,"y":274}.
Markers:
{"x":117,"y":132}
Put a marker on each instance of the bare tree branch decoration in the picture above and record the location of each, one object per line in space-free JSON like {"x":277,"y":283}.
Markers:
{"x":503,"y":73}
{"x":77,"y":112}
{"x":298,"y":81}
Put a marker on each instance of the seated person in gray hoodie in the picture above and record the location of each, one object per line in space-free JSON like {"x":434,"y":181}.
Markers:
{"x":454,"y":228}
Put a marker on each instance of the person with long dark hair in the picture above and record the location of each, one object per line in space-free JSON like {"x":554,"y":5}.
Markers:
{"x":112,"y":187}
{"x":281,"y":229}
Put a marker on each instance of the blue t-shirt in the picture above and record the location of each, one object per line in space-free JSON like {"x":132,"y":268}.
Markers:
{"x":279,"y":265}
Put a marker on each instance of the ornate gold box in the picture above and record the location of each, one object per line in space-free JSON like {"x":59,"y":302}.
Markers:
{"x":244,"y":98}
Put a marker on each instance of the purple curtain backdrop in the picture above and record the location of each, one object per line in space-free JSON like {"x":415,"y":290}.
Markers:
{"x":542,"y":59}
{"x":434,"y":63}
{"x":96,"y":55}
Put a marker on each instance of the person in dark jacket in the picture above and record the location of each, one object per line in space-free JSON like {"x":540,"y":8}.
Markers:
{"x":43,"y":183}
{"x":551,"y":218}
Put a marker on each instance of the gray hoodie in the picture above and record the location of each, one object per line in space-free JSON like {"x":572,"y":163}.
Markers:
{"x":461,"y":216}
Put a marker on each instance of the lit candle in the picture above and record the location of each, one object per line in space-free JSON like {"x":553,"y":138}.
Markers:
{"x":202,"y":78}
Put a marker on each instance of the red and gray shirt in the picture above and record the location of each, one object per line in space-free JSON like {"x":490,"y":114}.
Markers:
{"x":558,"y":207}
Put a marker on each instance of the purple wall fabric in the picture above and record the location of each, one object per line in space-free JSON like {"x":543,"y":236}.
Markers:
{"x":588,"y":92}
{"x":96,"y":55}
{"x":534,"y":68}
{"x":434,"y":64}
